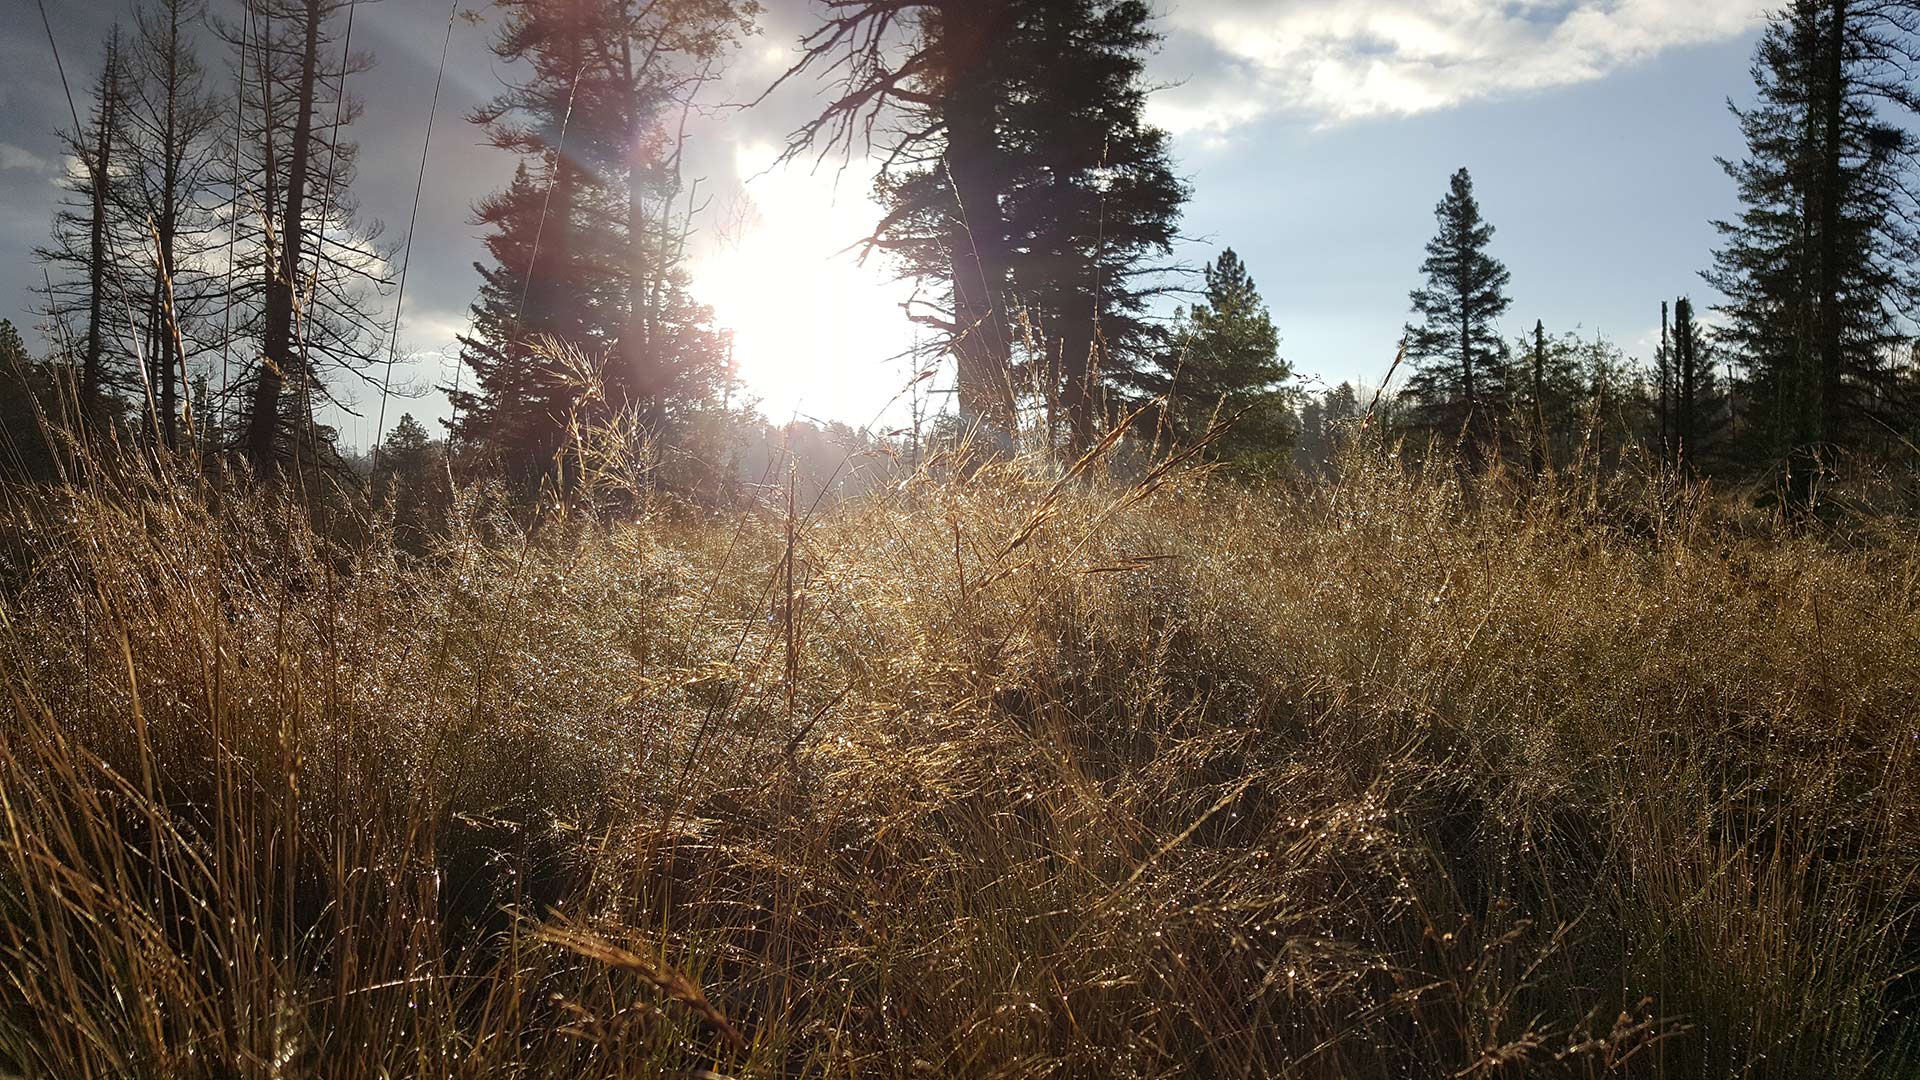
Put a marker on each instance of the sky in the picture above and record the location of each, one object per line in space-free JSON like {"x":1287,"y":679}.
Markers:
{"x":1317,"y":135}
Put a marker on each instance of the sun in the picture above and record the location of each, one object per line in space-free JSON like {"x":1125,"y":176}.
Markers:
{"x":815,"y":333}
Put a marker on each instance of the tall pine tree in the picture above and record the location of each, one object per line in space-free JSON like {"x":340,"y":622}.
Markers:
{"x":1459,"y":381}
{"x":587,"y":249}
{"x":1019,"y":179}
{"x":1091,"y":207}
{"x":1818,"y":268}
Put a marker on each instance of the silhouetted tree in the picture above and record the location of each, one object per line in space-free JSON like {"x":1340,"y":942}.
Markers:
{"x":173,"y":119}
{"x":307,"y":269}
{"x":940,"y":100}
{"x":587,"y":246}
{"x":87,"y":250}
{"x":1459,"y":381}
{"x":30,"y":392}
{"x":1091,"y":203}
{"x":1819,"y":266}
{"x":410,"y":477}
{"x":1698,"y":405}
{"x":1018,"y":176}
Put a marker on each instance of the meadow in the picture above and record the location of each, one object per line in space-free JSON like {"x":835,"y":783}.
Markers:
{"x":998,"y":771}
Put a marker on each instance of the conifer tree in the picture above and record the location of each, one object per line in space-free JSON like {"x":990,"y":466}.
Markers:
{"x":1459,"y":381}
{"x":410,"y":477}
{"x":1019,"y":178}
{"x":586,"y":246}
{"x":1818,"y":268}
{"x":1226,"y":363}
{"x":1698,"y":404}
{"x":940,"y":99}
{"x":1092,"y":203}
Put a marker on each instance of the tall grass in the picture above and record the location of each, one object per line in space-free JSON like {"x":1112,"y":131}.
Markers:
{"x":990,"y":774}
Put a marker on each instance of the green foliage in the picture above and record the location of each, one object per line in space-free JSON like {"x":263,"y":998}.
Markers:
{"x":588,"y":241}
{"x":1084,"y":198}
{"x":29,"y":406}
{"x":1225,"y":362}
{"x":410,"y":480}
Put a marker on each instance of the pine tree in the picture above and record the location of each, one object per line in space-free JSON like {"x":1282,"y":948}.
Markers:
{"x":941,"y":99}
{"x":1818,"y":267}
{"x":1459,"y":382}
{"x":1020,"y":178}
{"x":1311,"y":446}
{"x":587,"y":247}
{"x":1226,"y":363}
{"x":410,"y":477}
{"x":514,"y":402}
{"x":30,"y":394}
{"x":1557,"y":397}
{"x":1092,"y":202}
{"x":1698,"y":405}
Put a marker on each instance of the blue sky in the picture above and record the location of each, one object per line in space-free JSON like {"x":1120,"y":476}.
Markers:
{"x":1317,"y":134}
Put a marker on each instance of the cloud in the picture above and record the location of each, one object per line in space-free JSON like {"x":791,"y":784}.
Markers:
{"x":14,"y":157}
{"x":1342,"y":60}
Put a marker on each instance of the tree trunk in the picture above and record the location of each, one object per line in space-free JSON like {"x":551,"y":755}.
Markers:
{"x":171,"y":363}
{"x":1827,"y":415}
{"x":92,"y":379}
{"x":279,"y":362}
{"x":1666,"y":388}
{"x":977,"y":239}
{"x":1540,"y":456}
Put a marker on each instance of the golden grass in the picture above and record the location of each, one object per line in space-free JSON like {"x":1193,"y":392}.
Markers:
{"x":988,"y":775}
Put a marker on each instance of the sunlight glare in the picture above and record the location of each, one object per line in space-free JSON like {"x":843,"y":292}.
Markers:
{"x":814,"y":332}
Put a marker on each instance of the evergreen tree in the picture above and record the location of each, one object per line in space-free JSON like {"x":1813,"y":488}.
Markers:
{"x":410,"y":477}
{"x":1091,"y":204}
{"x":1556,"y":399}
{"x":515,"y":400}
{"x":1310,"y":445}
{"x":1818,"y":267}
{"x":1021,"y":178}
{"x":941,"y":97}
{"x":587,"y":248}
{"x":29,"y":402}
{"x":1459,"y":382}
{"x":1698,"y":406}
{"x":1226,"y":363}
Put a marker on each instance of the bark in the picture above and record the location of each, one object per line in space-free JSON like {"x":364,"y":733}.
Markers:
{"x":280,"y":364}
{"x":977,"y":240}
{"x":92,"y":378}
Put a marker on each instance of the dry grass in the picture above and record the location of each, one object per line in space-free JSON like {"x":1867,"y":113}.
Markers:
{"x":991,"y":775}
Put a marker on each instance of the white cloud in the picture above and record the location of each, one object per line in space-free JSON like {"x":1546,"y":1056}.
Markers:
{"x":1339,"y":60}
{"x":14,"y":157}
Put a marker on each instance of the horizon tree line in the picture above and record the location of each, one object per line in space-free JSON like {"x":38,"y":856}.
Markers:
{"x":1022,"y":192}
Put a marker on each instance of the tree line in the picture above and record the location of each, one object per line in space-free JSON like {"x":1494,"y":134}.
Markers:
{"x":209,"y":279}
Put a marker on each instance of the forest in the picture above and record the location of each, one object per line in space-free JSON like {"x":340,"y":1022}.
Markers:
{"x":1124,"y":701}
